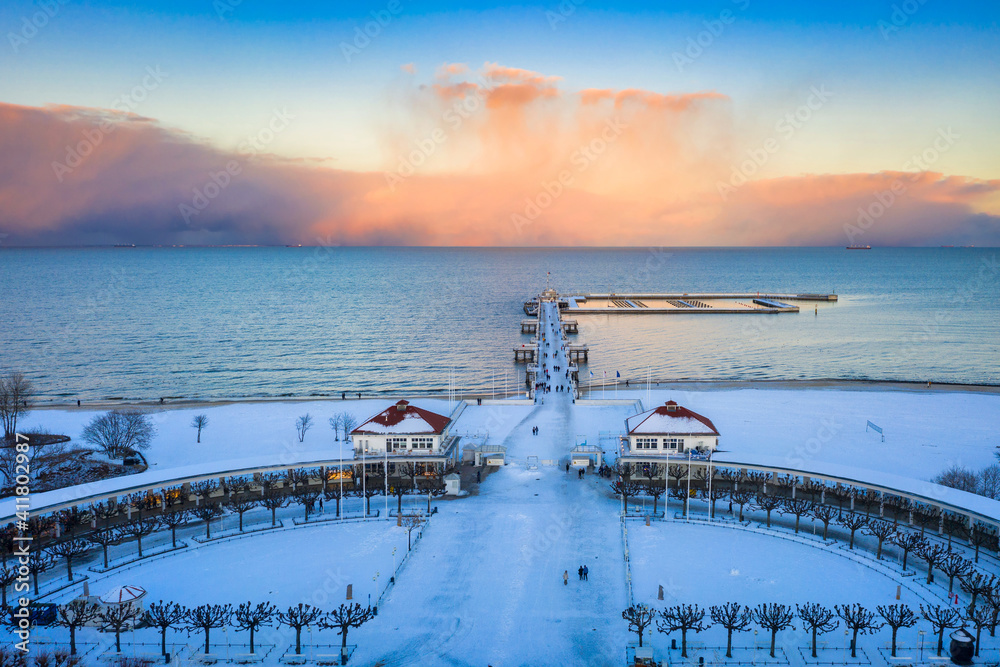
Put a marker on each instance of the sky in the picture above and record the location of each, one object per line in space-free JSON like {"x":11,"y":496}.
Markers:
{"x":734,"y":122}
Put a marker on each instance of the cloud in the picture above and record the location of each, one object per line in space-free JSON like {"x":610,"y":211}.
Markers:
{"x":409,"y":68}
{"x":496,"y":156}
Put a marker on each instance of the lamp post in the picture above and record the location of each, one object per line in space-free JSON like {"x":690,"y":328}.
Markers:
{"x":711,"y":501}
{"x":364,"y":480}
{"x":687,"y":500}
{"x":385,"y":469}
{"x":340,"y":475}
{"x":922,"y":633}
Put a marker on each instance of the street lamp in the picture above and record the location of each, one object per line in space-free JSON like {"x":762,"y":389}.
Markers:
{"x":922,"y":633}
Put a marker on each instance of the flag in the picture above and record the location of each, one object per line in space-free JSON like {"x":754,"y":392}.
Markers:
{"x":605,"y":374}
{"x":591,"y":373}
{"x":617,"y":374}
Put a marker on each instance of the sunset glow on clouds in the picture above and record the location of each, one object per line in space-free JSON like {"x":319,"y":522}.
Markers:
{"x":485,"y":153}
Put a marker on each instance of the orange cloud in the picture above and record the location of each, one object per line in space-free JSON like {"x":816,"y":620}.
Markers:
{"x":503,"y":156}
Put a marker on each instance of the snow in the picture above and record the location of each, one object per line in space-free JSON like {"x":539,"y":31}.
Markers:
{"x":657,"y":423}
{"x":484,"y":583}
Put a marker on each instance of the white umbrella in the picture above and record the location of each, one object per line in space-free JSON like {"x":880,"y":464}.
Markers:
{"x":123,"y":595}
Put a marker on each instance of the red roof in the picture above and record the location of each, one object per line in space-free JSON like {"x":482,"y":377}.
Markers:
{"x":391,"y":420}
{"x":687,"y":421}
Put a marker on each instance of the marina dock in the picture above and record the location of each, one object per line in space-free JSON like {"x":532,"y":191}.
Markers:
{"x":679,"y":303}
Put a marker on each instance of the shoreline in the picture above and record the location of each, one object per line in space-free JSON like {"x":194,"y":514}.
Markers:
{"x":585,"y":392}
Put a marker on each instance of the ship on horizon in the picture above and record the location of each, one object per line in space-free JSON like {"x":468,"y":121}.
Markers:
{"x":859,"y":247}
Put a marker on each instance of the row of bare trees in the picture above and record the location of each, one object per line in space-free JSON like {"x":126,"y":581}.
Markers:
{"x":815,"y":619}
{"x":164,"y":616}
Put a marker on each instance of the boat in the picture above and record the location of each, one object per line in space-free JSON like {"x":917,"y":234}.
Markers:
{"x":859,"y":247}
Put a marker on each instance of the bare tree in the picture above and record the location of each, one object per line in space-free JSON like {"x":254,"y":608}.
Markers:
{"x":880,"y":530}
{"x":768,"y":503}
{"x":307,"y":497}
{"x":336,"y":492}
{"x":164,"y":615}
{"x":199,"y":422}
{"x":683,"y":617}
{"x":206,"y":512}
{"x":120,"y":432}
{"x":345,"y":617}
{"x":982,"y":536}
{"x":348,"y":422}
{"x":897,"y":616}
{"x":817,"y":619}
{"x":954,"y":565}
{"x":853,"y":522}
{"x":298,"y":617}
{"x":980,"y":617}
{"x":15,"y":393}
{"x":39,"y":562}
{"x":624,"y":486}
{"x":733,"y":618}
{"x":741,"y":497}
{"x":302,"y":425}
{"x":942,"y":618}
{"x":826,"y":514}
{"x":140,"y":528}
{"x":274,"y":499}
{"x":976,"y":584}
{"x":639,"y":618}
{"x":958,"y":477}
{"x":208,"y":616}
{"x":241,"y":506}
{"x":859,"y":621}
{"x":932,"y":554}
{"x":106,"y":537}
{"x":774,"y":617}
{"x":907,"y":541}
{"x":69,"y":549}
{"x":989,"y":482}
{"x":74,"y":615}
{"x":174,"y":520}
{"x":797,"y":506}
{"x":117,"y":617}
{"x":8,"y":575}
{"x":335,"y":422}
{"x":253,"y":617}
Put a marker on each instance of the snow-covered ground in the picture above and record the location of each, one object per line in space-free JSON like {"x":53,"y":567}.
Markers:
{"x":484,"y":585}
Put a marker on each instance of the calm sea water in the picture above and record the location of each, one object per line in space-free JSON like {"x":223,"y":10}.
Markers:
{"x":254,"y":322}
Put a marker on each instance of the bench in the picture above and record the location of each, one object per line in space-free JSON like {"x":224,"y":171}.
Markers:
{"x":248,"y":658}
{"x":328,"y":659}
{"x":205,"y":658}
{"x":294,"y":659}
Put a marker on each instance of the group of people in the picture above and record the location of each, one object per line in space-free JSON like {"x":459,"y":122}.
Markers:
{"x":582,"y":573}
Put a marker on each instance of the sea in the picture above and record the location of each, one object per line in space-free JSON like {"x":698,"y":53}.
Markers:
{"x":228,"y":323}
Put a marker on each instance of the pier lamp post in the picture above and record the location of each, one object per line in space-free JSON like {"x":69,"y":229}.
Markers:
{"x":364,"y":480}
{"x":711,"y":502}
{"x":340,"y":476}
{"x":385,"y":469}
{"x":687,"y":501}
{"x":922,"y":633}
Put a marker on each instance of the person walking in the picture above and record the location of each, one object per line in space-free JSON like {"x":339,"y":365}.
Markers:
{"x":586,"y":572}
{"x":579,"y":573}
{"x":565,"y":577}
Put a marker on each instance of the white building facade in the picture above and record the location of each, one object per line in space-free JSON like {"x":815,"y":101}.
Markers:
{"x":670,"y":429}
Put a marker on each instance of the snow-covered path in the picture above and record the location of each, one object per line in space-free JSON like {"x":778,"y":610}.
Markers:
{"x":485,"y":585}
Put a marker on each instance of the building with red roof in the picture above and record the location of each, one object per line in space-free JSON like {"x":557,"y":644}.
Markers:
{"x":670,"y":429}
{"x":405,"y":431}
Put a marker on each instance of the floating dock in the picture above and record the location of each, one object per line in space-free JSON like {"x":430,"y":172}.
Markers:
{"x":658,"y":303}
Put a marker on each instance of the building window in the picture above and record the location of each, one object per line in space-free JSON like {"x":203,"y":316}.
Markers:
{"x":645,"y":443}
{"x":392,"y":444}
{"x":673,"y":443}
{"x":422,"y":443}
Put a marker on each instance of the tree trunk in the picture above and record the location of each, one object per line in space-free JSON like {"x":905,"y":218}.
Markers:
{"x":274,"y":511}
{"x":105,"y":547}
{"x":241,"y":522}
{"x":298,"y":641}
{"x":118,"y":640}
{"x":854,"y":644}
{"x":69,"y":570}
{"x":684,"y":643}
{"x":72,"y":640}
{"x":34,"y":577}
{"x":940,"y":642}
{"x":906,"y":552}
{"x":797,"y":530}
{"x":774,"y":634}
{"x":163,"y":641}
{"x":173,"y":537}
{"x":894,"y":630}
{"x":655,"y":500}
{"x":729,"y":643}
{"x":208,"y":530}
{"x":206,"y":640}
{"x":251,"y":640}
{"x":814,"y":643}
{"x":140,"y":546}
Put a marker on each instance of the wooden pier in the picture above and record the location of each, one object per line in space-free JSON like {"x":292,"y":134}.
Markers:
{"x":529,"y":326}
{"x":569,"y":326}
{"x":578,"y":353}
{"x":526,"y":353}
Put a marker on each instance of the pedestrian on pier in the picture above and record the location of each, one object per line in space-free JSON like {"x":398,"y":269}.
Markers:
{"x":586,"y":572}
{"x":579,"y":573}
